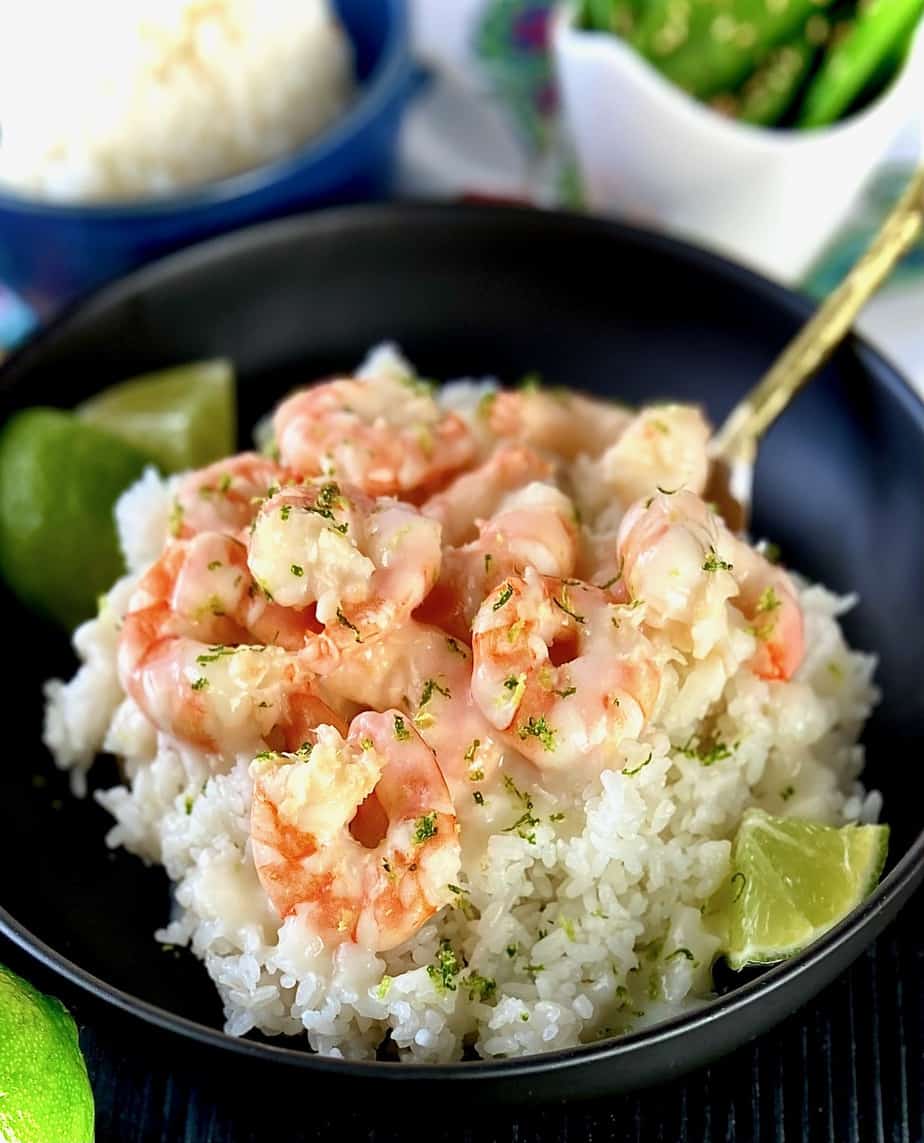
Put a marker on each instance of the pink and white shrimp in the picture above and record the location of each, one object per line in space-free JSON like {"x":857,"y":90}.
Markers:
{"x":477,"y":495}
{"x":427,"y":674}
{"x":661,"y":447}
{"x":224,"y":497}
{"x":533,"y":527}
{"x":184,"y":659}
{"x":377,"y":889}
{"x":683,"y":561}
{"x":561,"y":670}
{"x":359,"y":566}
{"x":563,"y":423}
{"x":385,"y":435}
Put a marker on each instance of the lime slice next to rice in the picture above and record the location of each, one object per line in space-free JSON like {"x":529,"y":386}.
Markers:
{"x":793,"y":880}
{"x":181,"y":418}
{"x":44,"y":1090}
{"x":59,"y":481}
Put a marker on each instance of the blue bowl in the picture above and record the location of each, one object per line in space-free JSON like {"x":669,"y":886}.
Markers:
{"x":51,"y":252}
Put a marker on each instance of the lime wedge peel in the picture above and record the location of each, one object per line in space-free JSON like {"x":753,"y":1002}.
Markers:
{"x":181,"y":418}
{"x":792,"y":881}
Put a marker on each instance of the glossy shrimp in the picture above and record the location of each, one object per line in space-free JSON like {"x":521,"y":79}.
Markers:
{"x":185,"y":658}
{"x":376,"y":889}
{"x":533,"y":527}
{"x":561,"y":670}
{"x":477,"y":495}
{"x":661,"y":447}
{"x":385,"y":435}
{"x":224,"y":497}
{"x":557,"y":421}
{"x":681,"y":559}
{"x":427,"y":674}
{"x":358,"y":566}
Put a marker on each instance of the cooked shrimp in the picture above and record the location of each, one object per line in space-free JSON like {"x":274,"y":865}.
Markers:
{"x":184,"y":660}
{"x":385,"y":435}
{"x":683,"y":561}
{"x":478,"y":494}
{"x":533,"y":527}
{"x":661,"y":447}
{"x":362,"y":565}
{"x":561,"y":670}
{"x":428,"y":675}
{"x":224,"y":496}
{"x":563,"y":423}
{"x":378,"y":890}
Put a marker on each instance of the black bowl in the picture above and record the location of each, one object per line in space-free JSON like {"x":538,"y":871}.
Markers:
{"x":476,"y":291}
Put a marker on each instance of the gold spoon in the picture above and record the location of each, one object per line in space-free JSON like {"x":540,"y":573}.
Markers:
{"x":734,"y":446}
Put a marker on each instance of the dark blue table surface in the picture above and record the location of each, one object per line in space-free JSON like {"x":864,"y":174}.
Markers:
{"x":849,"y":1068}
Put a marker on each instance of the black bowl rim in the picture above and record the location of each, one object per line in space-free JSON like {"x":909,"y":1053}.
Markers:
{"x":889,"y":894}
{"x":393,"y":70}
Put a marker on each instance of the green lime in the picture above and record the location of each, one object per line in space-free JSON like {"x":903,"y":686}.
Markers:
{"x":793,"y":880}
{"x":181,"y":418}
{"x":44,"y":1090}
{"x":59,"y":480}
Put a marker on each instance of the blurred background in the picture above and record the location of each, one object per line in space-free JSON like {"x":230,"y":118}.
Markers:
{"x":145,"y":125}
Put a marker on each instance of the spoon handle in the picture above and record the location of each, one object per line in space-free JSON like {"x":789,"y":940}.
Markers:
{"x":821,"y":335}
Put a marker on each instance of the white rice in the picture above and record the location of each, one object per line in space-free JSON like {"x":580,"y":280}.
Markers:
{"x":588,"y":920}
{"x":114,"y":99}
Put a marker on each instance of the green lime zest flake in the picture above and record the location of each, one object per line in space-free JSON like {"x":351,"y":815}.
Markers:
{"x":485,"y":404}
{"x":639,"y":767}
{"x":564,"y":604}
{"x":285,"y":512}
{"x":469,"y":756}
{"x":224,"y":484}
{"x":478,"y":798}
{"x":265,"y":755}
{"x":454,"y":646}
{"x":366,"y":744}
{"x":401,"y":731}
{"x":506,"y":593}
{"x":533,"y":970}
{"x":557,"y":817}
{"x":431,"y":686}
{"x":480,"y":987}
{"x":538,"y":728}
{"x":713,"y":562}
{"x":787,"y":792}
{"x":566,"y":693}
{"x":383,"y":987}
{"x":530,"y":382}
{"x":525,"y":823}
{"x":463,"y":903}
{"x":188,"y":803}
{"x":447,"y":968}
{"x":344,"y":622}
{"x":567,"y":926}
{"x":769,"y":600}
{"x":707,"y":753}
{"x":424,"y":828}
{"x":214,"y":653}
{"x":175,"y":519}
{"x":297,"y":570}
{"x":214,"y":565}
{"x":200,"y":684}
{"x":488,"y":560}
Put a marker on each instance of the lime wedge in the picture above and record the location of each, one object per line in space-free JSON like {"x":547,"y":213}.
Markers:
{"x":44,"y":1090}
{"x":181,"y":418}
{"x":793,"y":880}
{"x":59,"y":480}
